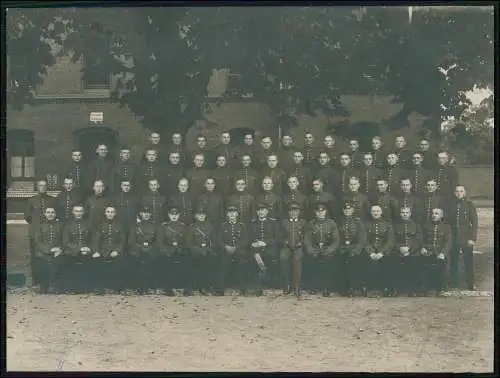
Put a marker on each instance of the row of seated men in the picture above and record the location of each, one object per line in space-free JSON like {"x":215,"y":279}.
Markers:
{"x":349,"y":254}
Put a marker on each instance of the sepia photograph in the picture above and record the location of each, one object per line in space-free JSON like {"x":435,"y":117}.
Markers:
{"x":249,"y":188}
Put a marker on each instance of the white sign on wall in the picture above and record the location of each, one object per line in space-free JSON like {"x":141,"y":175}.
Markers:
{"x":96,"y":117}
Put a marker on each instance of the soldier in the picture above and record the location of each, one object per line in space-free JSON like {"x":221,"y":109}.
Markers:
{"x":34,"y":215}
{"x":143,"y":256}
{"x":446,"y":175}
{"x":102,"y":168}
{"x":66,"y":199}
{"x":264,"y":239}
{"x":358,"y":200}
{"x":379,"y":245}
{"x":355,"y":154}
{"x":265,"y":150}
{"x":378,"y":153}
{"x":285,"y":154}
{"x":429,"y":157}
{"x":406,"y":198}
{"x":108,"y":253}
{"x":197,"y":175}
{"x":386,"y":201}
{"x":223,"y":177}
{"x":393,"y":174}
{"x":303,"y":174}
{"x":233,"y":258}
{"x":435,"y":247}
{"x":270,"y":198}
{"x":178,"y":147}
{"x":200,"y":239}
{"x":369,"y":176}
{"x":248,"y":174}
{"x":309,"y":151}
{"x":346,"y":172}
{"x":243,"y":201}
{"x":295,"y":195}
{"x":126,"y":205}
{"x":277,"y":174}
{"x":97,"y":203}
{"x":327,"y":174}
{"x":171,"y":244}
{"x":212,"y":203}
{"x":431,"y":200}
{"x":462,"y":218}
{"x":418,"y":174}
{"x":202,"y":148}
{"x":182,"y":201}
{"x":293,"y":230}
{"x":319,"y":196}
{"x":329,"y":142}
{"x":226,"y":149}
{"x":154,"y":201}
{"x":125,"y":170}
{"x":352,"y":236}
{"x":408,"y":242}
{"x":75,"y":264}
{"x":154,"y":145}
{"x":48,"y":247}
{"x":321,"y":242}
{"x":78,"y":171}
{"x":402,"y":152}
{"x":248,"y":147}
{"x":151,"y":169}
{"x":174,"y":171}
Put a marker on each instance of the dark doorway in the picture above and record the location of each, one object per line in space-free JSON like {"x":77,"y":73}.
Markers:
{"x":87,"y":140}
{"x":238,"y":135}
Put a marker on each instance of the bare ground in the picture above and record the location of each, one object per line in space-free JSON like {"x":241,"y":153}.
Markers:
{"x":272,"y":333}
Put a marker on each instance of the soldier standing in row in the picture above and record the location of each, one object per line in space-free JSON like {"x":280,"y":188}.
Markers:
{"x":126,"y":205}
{"x":212,"y":203}
{"x":101,"y":168}
{"x":393,"y":174}
{"x":125,"y":170}
{"x":402,"y":152}
{"x":320,"y":196}
{"x":330,"y":149}
{"x":197,"y":176}
{"x":346,"y":172}
{"x":223,"y":177}
{"x":418,"y":175}
{"x":243,"y":201}
{"x":327,"y":174}
{"x":248,"y":174}
{"x":78,"y":171}
{"x":358,"y":200}
{"x":277,"y":174}
{"x":183,"y":201}
{"x":226,"y":149}
{"x":406,"y":198}
{"x":151,"y":169}
{"x":386,"y":201}
{"x":299,"y":170}
{"x":355,"y":154}
{"x":446,"y":176}
{"x":378,"y":153}
{"x":66,"y":199}
{"x":431,"y":200}
{"x":174,"y":171}
{"x":97,"y":203}
{"x":285,"y":154}
{"x":369,"y":174}
{"x":294,"y":194}
{"x":310,"y":151}
{"x":269,"y":197}
{"x":177,"y":147}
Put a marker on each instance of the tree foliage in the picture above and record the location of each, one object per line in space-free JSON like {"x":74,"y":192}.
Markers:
{"x":295,"y":59}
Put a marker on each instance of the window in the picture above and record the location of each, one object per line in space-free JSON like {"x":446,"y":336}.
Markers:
{"x":21,"y":154}
{"x":96,"y":73}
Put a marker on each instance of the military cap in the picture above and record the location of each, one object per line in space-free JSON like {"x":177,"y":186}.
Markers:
{"x":232,"y":208}
{"x":262,"y":205}
{"x":320,"y":207}
{"x":200,"y":210}
{"x":146,"y":209}
{"x":173,"y":210}
{"x":294,"y":205}
{"x":124,"y":147}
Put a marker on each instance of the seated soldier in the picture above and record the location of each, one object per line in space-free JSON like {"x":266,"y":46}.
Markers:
{"x":380,"y":242}
{"x":273,"y":200}
{"x":48,"y":247}
{"x":108,"y":253}
{"x":200,"y":239}
{"x":294,"y":194}
{"x":352,"y":236}
{"x":182,"y":200}
{"x":233,"y":259}
{"x":264,"y":241}
{"x":154,"y":201}
{"x":436,"y":245}
{"x":293,"y":230}
{"x":321,"y":242}
{"x":142,"y":256}
{"x":172,"y":265}
{"x":408,"y":241}
{"x":75,"y":264}
{"x":243,"y":201}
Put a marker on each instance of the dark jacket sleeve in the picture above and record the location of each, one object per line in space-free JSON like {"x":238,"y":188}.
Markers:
{"x":389,"y":244}
{"x":361,"y":238}
{"x":336,"y":239}
{"x":473,"y":220}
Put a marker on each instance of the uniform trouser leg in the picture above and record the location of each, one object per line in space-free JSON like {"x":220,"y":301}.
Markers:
{"x":468,"y":256}
{"x":340,"y":271}
{"x":245,"y":272}
{"x":223,"y":262}
{"x":324,"y":272}
{"x":44,"y":268}
{"x":428,"y":270}
{"x":439,"y":274}
{"x":273,"y":274}
{"x":291,"y":267}
{"x":403,"y":273}
{"x":358,"y":271}
{"x":83,"y":277}
{"x":163,"y":273}
{"x":33,"y":265}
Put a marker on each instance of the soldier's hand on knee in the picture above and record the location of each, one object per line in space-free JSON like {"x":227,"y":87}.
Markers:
{"x":404,"y":250}
{"x":96,"y":255}
{"x":440,"y":256}
{"x":373,"y":256}
{"x":85,"y":250}
{"x":379,"y":255}
{"x":471,"y":243}
{"x":114,"y":254}
{"x":424,"y":252}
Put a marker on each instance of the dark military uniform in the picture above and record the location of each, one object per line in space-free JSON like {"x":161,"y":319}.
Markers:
{"x":393,"y":176}
{"x":181,"y":150}
{"x":228,"y":151}
{"x":156,"y":203}
{"x":94,"y":208}
{"x":251,"y":178}
{"x":126,"y":209}
{"x":285,"y":157}
{"x":245,"y":203}
{"x":76,"y":268}
{"x":368,"y":180}
{"x":293,"y":232}
{"x":78,"y":171}
{"x":326,"y":199}
{"x":274,"y":204}
{"x":311,"y":154}
{"x":296,"y":196}
{"x":413,"y":202}
{"x":34,"y":216}
{"x":200,"y":239}
{"x":197,"y":178}
{"x":345,"y":175}
{"x":360,"y":204}
{"x":446,"y":178}
{"x":262,"y":155}
{"x":184,"y":203}
{"x":172,"y":268}
{"x":356,"y":159}
{"x":330,"y":178}
{"x":102,"y":169}
{"x":213,"y":205}
{"x":380,"y":239}
{"x":303,"y":174}
{"x":352,"y":234}
{"x":418,"y":176}
{"x":266,"y":230}
{"x":404,"y":157}
{"x":208,"y":155}
{"x":389,"y":206}
{"x":432,"y":272}
{"x":223,"y":181}
{"x":142,"y":255}
{"x":125,"y":171}
{"x":47,"y":236}
{"x":430,"y":161}
{"x":334,"y":156}
{"x":245,"y":149}
{"x":278,"y":176}
{"x":379,"y":158}
{"x":149,"y":171}
{"x":173,"y":173}
{"x":238,"y":262}
{"x":432,"y":201}
{"x":159,"y":148}
{"x":65,"y":201}
{"x":321,"y":241}
{"x":462,"y":218}
{"x":407,"y":233}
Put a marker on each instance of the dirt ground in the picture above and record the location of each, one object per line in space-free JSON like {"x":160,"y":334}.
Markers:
{"x":271,"y":333}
